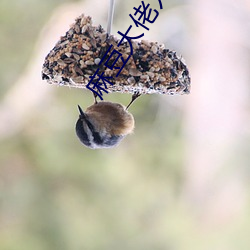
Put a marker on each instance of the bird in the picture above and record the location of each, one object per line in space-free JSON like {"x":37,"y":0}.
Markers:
{"x":104,"y":124}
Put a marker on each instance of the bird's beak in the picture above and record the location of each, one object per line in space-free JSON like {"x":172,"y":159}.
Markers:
{"x":82,"y":115}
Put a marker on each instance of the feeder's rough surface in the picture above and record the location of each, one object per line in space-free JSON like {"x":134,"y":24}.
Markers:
{"x":151,"y":68}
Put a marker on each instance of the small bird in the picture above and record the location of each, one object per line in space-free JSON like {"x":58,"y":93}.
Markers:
{"x":104,"y":124}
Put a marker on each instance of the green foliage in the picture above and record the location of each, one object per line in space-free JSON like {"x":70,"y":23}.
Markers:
{"x":20,"y":24}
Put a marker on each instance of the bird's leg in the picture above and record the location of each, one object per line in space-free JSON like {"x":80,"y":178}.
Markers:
{"x":134,"y":97}
{"x":95,"y":96}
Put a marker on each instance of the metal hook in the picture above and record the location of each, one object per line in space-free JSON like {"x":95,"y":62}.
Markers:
{"x":110,"y":16}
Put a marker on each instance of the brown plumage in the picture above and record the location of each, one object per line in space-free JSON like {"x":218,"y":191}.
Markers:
{"x":111,"y":117}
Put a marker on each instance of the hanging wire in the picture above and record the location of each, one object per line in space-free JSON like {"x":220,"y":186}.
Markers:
{"x":110,"y":15}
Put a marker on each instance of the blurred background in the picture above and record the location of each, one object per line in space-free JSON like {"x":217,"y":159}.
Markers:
{"x":180,"y":182}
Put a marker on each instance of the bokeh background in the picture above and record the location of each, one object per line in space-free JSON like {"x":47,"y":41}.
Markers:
{"x":180,"y":182}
